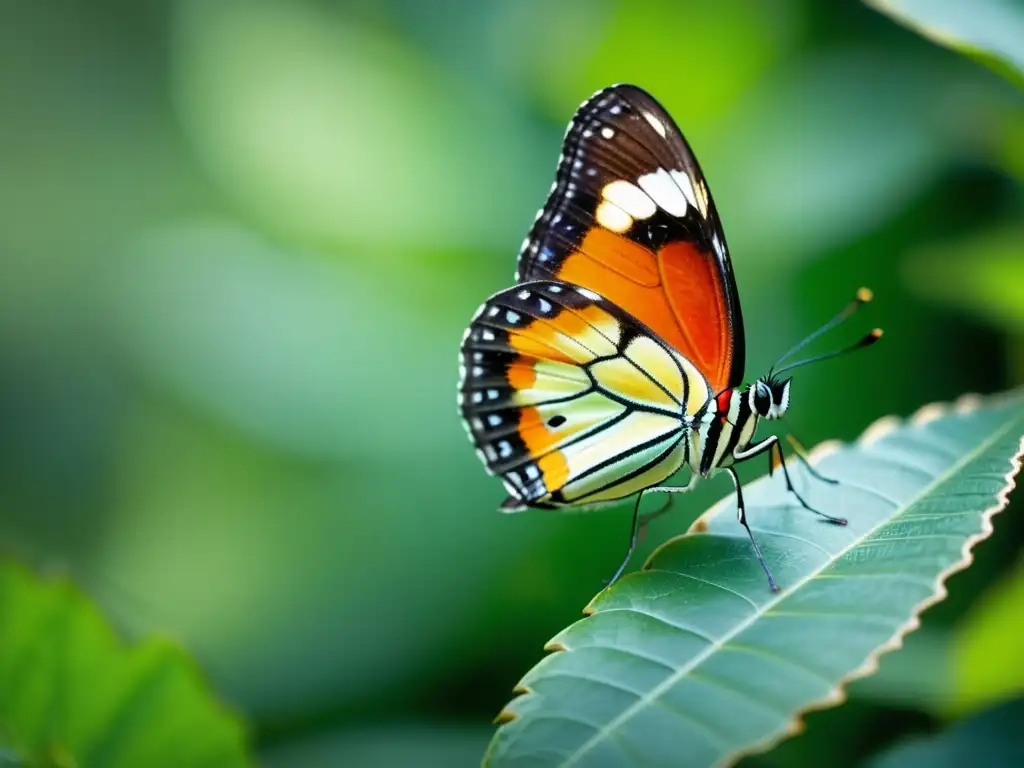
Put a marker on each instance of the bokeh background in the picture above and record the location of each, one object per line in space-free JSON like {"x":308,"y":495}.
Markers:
{"x":239,"y":243}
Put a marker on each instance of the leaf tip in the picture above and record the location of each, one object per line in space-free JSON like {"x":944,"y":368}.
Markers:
{"x":504,"y":717}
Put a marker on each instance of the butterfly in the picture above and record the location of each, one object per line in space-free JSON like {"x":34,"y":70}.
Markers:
{"x":617,"y":358}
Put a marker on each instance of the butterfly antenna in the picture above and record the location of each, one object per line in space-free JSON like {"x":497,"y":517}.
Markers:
{"x":867,"y":341}
{"x":862,"y":297}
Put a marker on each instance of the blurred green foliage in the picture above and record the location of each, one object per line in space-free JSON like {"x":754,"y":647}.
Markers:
{"x":238,"y":246}
{"x":72,"y":696}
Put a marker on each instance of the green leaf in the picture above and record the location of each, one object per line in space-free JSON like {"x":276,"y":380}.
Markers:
{"x":990,"y":31}
{"x":70,"y":694}
{"x":693,"y":660}
{"x":986,"y":649}
{"x":993,"y":738}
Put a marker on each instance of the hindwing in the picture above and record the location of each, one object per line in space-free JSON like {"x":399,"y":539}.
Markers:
{"x":572,"y":401}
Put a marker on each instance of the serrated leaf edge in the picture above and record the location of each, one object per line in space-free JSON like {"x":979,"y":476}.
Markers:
{"x":837,"y":695}
{"x":869,"y":666}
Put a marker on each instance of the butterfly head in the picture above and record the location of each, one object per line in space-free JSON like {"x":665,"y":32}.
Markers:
{"x":769,"y":397}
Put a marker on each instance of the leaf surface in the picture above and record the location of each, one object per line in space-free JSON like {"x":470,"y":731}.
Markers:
{"x":70,"y":694}
{"x":991,"y":31}
{"x":693,"y":661}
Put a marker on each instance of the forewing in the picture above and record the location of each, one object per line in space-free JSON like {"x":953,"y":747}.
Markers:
{"x":630,"y":216}
{"x":570,"y":400}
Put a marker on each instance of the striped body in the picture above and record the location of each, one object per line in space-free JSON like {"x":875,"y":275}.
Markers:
{"x":725,"y":430}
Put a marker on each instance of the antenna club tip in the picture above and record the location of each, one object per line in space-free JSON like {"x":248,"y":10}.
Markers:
{"x":876,"y":334}
{"x":864,"y":295}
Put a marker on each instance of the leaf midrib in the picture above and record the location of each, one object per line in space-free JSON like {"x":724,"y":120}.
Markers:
{"x":674,"y":678}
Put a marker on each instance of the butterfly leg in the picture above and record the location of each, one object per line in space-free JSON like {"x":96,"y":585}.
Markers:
{"x":645,"y":519}
{"x":640,"y":522}
{"x":801,"y":453}
{"x":634,"y":535}
{"x":741,"y":513}
{"x":803,"y":503}
{"x":771,"y":444}
{"x":671,"y":490}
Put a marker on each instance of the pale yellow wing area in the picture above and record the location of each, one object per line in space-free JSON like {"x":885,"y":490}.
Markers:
{"x":570,"y":400}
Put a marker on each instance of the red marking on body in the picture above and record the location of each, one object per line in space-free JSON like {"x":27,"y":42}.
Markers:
{"x":723,"y":399}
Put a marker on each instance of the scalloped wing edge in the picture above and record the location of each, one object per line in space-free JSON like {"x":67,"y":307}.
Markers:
{"x":837,"y":695}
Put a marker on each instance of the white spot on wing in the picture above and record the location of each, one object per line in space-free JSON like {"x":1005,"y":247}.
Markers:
{"x":487,"y":335}
{"x":504,"y":449}
{"x":545,"y":306}
{"x":664,"y":191}
{"x":513,"y":317}
{"x":629,"y":198}
{"x":588,"y":293}
{"x":683,"y":181}
{"x":656,"y":124}
{"x":607,"y":132}
{"x":612,"y":217}
{"x":532,"y":473}
{"x":493,"y":420}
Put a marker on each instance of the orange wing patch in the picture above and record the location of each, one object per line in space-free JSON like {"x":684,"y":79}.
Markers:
{"x":694,"y":291}
{"x":569,"y":337}
{"x":554,"y":469}
{"x":676,"y":293}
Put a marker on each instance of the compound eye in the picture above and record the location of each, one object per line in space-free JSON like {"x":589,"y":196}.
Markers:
{"x":762,"y":400}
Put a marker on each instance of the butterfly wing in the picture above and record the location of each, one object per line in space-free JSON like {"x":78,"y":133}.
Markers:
{"x":570,"y":400}
{"x":630,"y":217}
